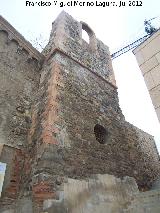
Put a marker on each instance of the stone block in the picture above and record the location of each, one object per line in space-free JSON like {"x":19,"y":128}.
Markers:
{"x":155,"y":73}
{"x":140,"y":57}
{"x":152,"y":48}
{"x":149,"y":65}
{"x":155,"y":96}
{"x":149,"y":81}
{"x":158,"y":57}
{"x":98,"y":194}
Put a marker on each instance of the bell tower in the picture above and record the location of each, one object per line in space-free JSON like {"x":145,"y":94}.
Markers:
{"x":77,"y":128}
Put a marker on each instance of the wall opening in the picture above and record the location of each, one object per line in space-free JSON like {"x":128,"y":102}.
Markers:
{"x":85,"y":36}
{"x":2,"y":174}
{"x":89,"y":36}
{"x":101,"y":134}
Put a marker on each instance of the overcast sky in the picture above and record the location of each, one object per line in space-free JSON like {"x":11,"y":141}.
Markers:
{"x":115,"y":26}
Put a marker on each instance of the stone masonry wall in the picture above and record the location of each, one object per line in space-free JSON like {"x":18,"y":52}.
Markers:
{"x":78,"y":102}
{"x":66,"y":35}
{"x":18,"y":83}
{"x":73,"y":99}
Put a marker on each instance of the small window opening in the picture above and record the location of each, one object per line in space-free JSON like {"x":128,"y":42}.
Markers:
{"x":85,"y":36}
{"x":2,"y":174}
{"x":101,"y":134}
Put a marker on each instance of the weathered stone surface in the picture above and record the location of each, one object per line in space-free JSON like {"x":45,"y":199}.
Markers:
{"x":18,"y":84}
{"x":103,"y":194}
{"x":19,"y":71}
{"x":66,"y":35}
{"x":80,"y":108}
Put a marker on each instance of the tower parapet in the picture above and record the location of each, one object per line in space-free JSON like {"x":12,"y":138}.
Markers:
{"x":66,"y":35}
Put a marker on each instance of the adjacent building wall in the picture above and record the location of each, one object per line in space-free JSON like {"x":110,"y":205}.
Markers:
{"x":148,"y":58}
{"x":19,"y":78}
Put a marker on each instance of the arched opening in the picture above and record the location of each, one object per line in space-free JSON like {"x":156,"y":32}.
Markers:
{"x":89,"y":36}
{"x":101,"y":134}
{"x":85,"y":36}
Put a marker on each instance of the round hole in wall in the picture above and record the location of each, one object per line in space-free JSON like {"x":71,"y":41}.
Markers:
{"x":101,"y":134}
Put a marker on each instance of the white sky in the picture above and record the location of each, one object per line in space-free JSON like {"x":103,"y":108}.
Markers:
{"x":115,"y":26}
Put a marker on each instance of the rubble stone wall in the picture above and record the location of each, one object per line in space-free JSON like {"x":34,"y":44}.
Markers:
{"x":18,"y":84}
{"x":75,"y":101}
{"x":19,"y":81}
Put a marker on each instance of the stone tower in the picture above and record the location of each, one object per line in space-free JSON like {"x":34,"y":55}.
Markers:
{"x":65,"y":120}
